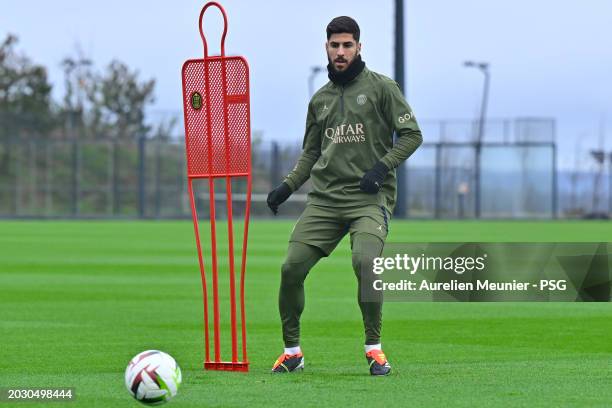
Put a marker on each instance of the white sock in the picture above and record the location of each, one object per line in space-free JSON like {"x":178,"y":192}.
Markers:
{"x":293,"y":350}
{"x":370,"y":347}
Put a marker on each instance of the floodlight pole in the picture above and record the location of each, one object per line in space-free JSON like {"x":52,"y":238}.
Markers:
{"x":610,"y":184}
{"x":484,"y":68}
{"x":314,"y":71}
{"x":401,"y":209}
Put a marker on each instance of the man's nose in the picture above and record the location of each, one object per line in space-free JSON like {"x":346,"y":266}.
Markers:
{"x":341,"y":50}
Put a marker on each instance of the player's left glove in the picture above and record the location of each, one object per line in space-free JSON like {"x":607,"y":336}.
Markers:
{"x":372,"y":181}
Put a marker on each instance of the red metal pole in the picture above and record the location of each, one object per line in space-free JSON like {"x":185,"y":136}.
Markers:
{"x":230,"y":225}
{"x":194,"y":216}
{"x":246,"y":233}
{"x":243,"y":265}
{"x":213,"y":231}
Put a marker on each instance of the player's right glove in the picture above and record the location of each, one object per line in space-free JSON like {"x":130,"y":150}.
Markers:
{"x":278,"y":196}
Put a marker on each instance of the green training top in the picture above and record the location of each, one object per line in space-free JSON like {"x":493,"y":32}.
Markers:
{"x":348,"y":130}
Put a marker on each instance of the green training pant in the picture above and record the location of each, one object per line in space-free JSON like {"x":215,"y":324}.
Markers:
{"x":367,"y":229}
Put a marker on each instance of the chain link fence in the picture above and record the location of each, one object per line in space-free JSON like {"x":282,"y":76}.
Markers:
{"x":146,"y":178}
{"x":517,"y":181}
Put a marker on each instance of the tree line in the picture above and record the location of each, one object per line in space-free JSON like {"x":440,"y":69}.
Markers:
{"x":97,"y":104}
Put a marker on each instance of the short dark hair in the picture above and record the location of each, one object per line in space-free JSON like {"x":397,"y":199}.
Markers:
{"x":343,"y":24}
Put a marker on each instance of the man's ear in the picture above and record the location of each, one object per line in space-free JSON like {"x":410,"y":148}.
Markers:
{"x":358,"y":48}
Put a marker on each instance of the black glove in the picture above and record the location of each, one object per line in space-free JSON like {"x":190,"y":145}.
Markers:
{"x":372,"y":181}
{"x":278,"y":196}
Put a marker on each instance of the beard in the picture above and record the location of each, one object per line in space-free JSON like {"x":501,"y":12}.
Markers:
{"x":350,"y":71}
{"x":347,"y":62}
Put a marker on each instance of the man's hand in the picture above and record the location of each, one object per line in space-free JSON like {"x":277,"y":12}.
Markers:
{"x":372,"y":181}
{"x":278,"y":196}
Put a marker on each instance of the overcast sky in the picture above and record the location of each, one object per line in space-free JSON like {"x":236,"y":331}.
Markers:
{"x":548,"y":58}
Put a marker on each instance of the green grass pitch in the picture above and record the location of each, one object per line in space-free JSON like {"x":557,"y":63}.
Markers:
{"x":79,"y":299}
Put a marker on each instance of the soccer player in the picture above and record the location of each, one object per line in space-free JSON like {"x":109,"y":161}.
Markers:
{"x":348,"y":153}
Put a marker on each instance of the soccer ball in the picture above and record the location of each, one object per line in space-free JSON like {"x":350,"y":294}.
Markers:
{"x":153,"y":377}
